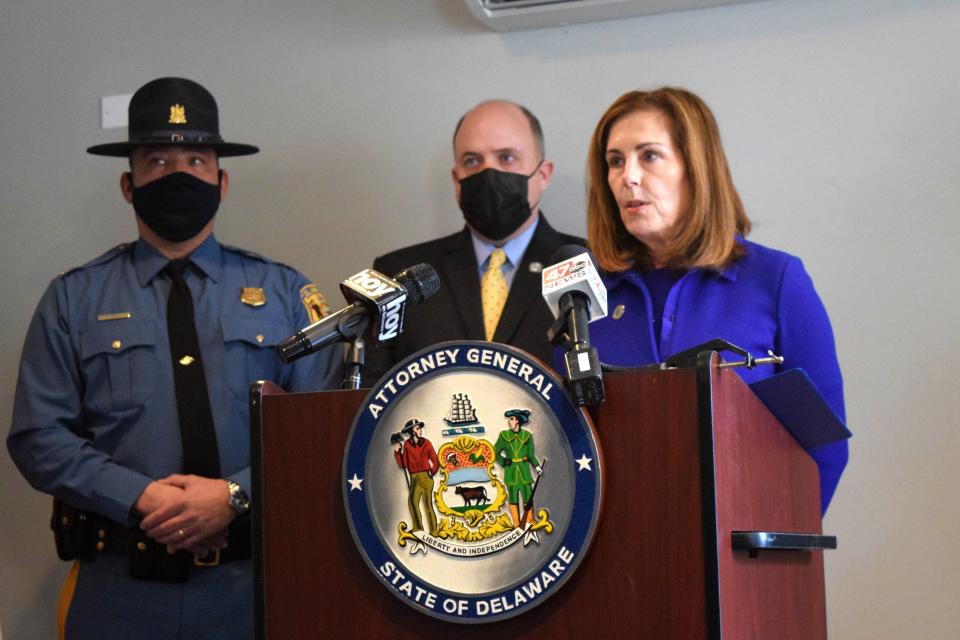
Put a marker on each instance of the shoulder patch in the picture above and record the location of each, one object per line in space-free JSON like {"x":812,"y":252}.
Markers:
{"x":314,"y":302}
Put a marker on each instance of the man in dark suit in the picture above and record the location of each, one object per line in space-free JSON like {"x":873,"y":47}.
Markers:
{"x":499,"y":176}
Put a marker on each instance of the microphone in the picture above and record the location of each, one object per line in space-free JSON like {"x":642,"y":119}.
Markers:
{"x":376,"y":310}
{"x":576,"y":296}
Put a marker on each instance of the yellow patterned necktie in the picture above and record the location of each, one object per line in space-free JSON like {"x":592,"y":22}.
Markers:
{"x":493,"y":292}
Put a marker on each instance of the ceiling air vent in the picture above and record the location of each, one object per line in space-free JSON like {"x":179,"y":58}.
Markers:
{"x":514,"y":15}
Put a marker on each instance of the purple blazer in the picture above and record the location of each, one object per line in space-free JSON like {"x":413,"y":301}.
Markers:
{"x":764,"y":301}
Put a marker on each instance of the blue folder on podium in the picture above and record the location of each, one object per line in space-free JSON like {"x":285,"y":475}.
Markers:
{"x":796,"y":402}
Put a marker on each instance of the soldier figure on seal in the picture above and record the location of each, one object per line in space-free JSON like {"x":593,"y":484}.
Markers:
{"x":514,"y":451}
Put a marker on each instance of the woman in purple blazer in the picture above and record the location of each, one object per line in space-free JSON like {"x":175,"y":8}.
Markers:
{"x":666,"y":225}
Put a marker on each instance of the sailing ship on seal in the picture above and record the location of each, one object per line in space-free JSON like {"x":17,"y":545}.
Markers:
{"x":462,"y":417}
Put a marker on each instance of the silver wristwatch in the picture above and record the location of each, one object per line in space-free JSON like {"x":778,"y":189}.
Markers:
{"x":239,"y":501}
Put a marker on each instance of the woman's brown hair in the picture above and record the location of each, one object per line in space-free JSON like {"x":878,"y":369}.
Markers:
{"x":707,"y":230}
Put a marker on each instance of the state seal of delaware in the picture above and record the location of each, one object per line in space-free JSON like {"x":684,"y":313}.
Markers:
{"x":472,"y":483}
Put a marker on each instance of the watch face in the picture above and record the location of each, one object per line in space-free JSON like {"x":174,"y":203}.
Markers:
{"x":239,"y":501}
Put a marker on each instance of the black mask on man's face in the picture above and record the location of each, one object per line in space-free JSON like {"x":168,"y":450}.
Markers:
{"x":177,"y":206}
{"x":495,"y":203}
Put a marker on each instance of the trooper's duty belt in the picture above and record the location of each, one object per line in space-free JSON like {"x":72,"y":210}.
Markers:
{"x":83,"y":535}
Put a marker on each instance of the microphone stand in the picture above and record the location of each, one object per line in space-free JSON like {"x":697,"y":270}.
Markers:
{"x":582,"y":364}
{"x":354,"y":361}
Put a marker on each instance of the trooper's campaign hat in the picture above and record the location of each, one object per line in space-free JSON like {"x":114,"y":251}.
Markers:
{"x":173,"y":111}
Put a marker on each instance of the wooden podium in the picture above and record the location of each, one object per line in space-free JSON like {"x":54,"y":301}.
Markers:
{"x":694,"y":466}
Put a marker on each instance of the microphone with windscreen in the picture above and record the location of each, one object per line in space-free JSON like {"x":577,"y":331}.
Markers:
{"x":376,"y":310}
{"x":576,"y":296}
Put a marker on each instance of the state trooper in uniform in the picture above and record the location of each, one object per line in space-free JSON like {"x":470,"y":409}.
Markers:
{"x":106,"y":411}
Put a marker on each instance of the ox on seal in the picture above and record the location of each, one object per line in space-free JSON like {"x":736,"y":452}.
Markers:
{"x":472,"y":493}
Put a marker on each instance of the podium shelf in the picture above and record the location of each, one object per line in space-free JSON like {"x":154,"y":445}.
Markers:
{"x":754,"y":541}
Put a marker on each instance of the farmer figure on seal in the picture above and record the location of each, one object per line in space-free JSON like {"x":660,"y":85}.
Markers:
{"x":417,"y":456}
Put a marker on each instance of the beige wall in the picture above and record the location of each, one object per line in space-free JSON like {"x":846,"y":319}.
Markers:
{"x":840,"y":120}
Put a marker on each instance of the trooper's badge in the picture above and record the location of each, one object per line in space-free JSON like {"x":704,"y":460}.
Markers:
{"x":253,"y":296}
{"x":471,"y":482}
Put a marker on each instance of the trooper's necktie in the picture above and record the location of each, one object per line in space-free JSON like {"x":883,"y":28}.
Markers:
{"x":200,"y":454}
{"x":493,"y":292}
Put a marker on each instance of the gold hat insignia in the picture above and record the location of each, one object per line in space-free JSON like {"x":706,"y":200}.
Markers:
{"x":178,"y":114}
{"x":253,"y":296}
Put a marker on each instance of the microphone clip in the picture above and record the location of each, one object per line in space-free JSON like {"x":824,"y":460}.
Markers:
{"x":558,"y":334}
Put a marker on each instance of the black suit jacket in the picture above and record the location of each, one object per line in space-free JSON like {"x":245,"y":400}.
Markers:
{"x":455,"y":312}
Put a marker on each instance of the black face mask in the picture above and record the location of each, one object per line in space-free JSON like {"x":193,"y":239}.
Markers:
{"x":177,"y":206}
{"x":495,"y":202}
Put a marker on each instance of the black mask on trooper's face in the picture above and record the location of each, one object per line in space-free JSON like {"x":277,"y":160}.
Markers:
{"x":177,"y":206}
{"x":495,"y":203}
